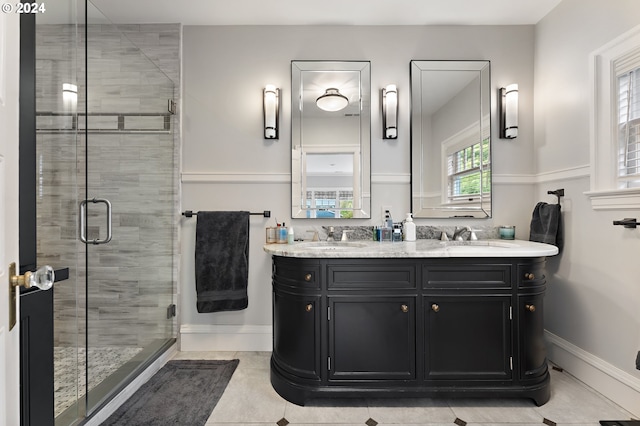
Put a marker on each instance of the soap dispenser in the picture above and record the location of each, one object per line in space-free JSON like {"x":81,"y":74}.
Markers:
{"x":409,"y":228}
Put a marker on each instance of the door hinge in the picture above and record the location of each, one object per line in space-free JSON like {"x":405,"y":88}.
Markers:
{"x":511,"y":363}
{"x":328,"y":363}
{"x":171,"y":311}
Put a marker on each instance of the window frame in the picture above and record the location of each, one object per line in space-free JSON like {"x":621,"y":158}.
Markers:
{"x":605,"y":192}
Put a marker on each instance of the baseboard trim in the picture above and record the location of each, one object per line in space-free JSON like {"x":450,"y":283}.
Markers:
{"x":615,"y":384}
{"x":197,"y":337}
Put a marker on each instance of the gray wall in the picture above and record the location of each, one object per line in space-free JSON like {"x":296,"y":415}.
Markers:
{"x":227,"y":165}
{"x":594,"y":297}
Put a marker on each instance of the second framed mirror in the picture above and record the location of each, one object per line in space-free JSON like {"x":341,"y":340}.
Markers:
{"x":450,"y":139}
{"x":330,"y":146}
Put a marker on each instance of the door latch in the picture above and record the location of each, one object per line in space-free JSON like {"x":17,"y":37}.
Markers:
{"x":43,"y":278}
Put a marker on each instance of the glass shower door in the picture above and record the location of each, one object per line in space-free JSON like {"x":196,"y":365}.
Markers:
{"x":106,"y":205}
{"x":129,"y":206}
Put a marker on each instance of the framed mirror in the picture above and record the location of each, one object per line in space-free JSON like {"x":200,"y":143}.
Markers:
{"x":330,"y":139}
{"x":450,"y":139}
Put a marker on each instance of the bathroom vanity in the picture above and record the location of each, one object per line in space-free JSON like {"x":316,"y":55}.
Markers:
{"x":427,"y":318}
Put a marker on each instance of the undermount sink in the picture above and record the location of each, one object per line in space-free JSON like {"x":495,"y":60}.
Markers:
{"x":333,"y":245}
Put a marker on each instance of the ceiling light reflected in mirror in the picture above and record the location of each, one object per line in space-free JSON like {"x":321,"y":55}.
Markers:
{"x":332,"y":100}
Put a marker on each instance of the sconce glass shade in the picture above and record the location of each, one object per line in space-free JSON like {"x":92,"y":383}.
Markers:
{"x":332,"y":100}
{"x":390,"y":112}
{"x":271,"y":106}
{"x":69,"y":95}
{"x":509,"y":113}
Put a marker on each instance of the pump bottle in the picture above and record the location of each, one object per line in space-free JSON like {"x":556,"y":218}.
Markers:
{"x":409,"y":228}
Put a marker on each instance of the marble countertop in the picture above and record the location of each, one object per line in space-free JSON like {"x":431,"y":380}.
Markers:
{"x":420,"y":248}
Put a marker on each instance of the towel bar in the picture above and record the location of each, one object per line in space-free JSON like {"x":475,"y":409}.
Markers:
{"x":627,"y":222}
{"x":558,"y":193}
{"x":189,"y":213}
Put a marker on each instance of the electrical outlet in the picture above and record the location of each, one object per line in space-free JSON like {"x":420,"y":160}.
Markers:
{"x":383,"y":211}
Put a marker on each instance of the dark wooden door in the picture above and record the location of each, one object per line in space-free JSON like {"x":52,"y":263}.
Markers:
{"x":372,"y":338}
{"x":36,"y":358}
{"x":296,"y":333}
{"x":533,"y":358}
{"x":469,"y":336}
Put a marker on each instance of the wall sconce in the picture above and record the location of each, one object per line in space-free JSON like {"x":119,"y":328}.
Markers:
{"x":509,"y":112}
{"x":332,"y":100}
{"x":69,"y":95}
{"x":390,"y":112}
{"x":271,"y":107}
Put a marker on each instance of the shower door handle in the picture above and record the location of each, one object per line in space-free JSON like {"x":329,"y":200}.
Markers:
{"x":83,"y":235}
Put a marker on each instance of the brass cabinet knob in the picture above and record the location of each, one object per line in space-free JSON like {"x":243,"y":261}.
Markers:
{"x":308,"y":308}
{"x":404,"y":308}
{"x":530,"y":308}
{"x":307,"y":277}
{"x":529,"y":276}
{"x":435,"y":307}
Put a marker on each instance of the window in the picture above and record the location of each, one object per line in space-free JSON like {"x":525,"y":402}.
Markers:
{"x":615,"y":124}
{"x":465,"y":180}
{"x":629,"y":128}
{"x":330,"y":204}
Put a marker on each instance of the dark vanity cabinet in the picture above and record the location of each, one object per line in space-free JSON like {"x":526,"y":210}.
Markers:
{"x":296,"y":317}
{"x":387,"y":327}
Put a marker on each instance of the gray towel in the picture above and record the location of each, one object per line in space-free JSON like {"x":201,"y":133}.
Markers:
{"x":222,"y":261}
{"x":546,"y":224}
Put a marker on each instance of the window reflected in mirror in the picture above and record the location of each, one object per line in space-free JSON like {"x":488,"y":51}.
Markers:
{"x":450,"y":139}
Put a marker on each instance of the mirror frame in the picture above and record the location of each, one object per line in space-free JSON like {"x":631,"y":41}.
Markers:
{"x":362,"y":183}
{"x":420,"y":209}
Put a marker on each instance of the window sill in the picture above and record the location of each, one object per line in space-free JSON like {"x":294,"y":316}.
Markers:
{"x":615,"y":199}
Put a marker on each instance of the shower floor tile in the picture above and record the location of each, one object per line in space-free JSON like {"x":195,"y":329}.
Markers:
{"x":69,"y":368}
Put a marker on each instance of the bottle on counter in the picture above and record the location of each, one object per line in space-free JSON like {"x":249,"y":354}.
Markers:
{"x":290,"y":236}
{"x":409,"y":228}
{"x":388,"y":221}
{"x":397,"y":234}
{"x":282,"y":234}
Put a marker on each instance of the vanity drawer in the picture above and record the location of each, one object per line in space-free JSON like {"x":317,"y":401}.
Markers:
{"x":531,"y":274}
{"x":466,"y":276}
{"x":381,"y":275}
{"x":301,"y":273}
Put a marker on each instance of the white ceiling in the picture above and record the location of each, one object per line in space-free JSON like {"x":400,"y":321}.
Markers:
{"x":326,"y":12}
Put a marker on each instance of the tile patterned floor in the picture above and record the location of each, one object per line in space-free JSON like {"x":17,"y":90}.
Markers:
{"x":250,"y":400}
{"x":68,"y":362}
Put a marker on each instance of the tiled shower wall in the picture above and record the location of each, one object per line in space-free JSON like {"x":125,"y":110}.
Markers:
{"x":132,"y":69}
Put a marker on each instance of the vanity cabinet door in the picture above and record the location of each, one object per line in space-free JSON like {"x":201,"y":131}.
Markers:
{"x":467,"y":337}
{"x":533,"y":356}
{"x":372,"y":337}
{"x":296,"y":333}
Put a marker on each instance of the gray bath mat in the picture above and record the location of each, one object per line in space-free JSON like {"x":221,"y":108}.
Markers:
{"x":181,"y":393}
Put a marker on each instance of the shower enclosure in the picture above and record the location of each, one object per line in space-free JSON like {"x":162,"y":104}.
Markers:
{"x":106,"y":198}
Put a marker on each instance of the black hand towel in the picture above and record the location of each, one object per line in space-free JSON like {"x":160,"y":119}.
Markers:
{"x":546,"y":224}
{"x":222,"y":261}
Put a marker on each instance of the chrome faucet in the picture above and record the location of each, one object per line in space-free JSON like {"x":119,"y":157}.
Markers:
{"x":330,"y":235}
{"x":457,"y":235}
